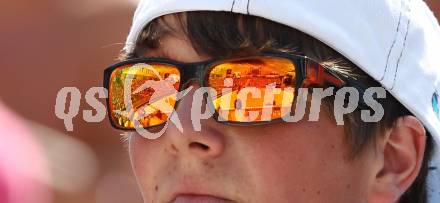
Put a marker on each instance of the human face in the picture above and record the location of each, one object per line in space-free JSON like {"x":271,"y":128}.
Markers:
{"x":281,"y":162}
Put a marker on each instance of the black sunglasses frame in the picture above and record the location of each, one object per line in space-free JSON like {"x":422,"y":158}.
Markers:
{"x":190,"y":72}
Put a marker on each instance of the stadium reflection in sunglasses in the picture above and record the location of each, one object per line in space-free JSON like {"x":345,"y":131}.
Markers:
{"x":244,"y":91}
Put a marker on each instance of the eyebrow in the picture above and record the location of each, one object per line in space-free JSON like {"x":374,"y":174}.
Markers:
{"x":158,"y":53}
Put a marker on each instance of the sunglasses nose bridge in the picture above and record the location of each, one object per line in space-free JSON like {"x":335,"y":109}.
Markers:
{"x":192,"y":73}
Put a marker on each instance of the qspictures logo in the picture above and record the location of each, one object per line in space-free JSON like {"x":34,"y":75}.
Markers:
{"x":136,"y":100}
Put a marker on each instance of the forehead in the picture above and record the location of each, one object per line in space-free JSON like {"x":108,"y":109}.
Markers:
{"x":171,"y":24}
{"x":167,"y":38}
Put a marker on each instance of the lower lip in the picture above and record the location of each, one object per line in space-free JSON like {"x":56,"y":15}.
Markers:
{"x":198,"y":199}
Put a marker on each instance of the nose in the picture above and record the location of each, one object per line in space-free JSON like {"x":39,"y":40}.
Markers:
{"x":207,"y":143}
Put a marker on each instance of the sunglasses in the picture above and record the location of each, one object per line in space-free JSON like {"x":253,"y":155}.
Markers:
{"x":143,"y":92}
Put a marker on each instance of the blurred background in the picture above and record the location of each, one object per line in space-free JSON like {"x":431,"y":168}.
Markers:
{"x":46,"y":45}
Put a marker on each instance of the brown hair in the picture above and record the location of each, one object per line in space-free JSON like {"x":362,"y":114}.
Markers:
{"x":225,"y":34}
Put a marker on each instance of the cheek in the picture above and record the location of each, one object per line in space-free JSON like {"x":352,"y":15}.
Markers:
{"x":145,"y":160}
{"x":303,"y":163}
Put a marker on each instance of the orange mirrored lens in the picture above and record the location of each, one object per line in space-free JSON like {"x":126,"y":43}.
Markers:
{"x":143,"y":95}
{"x":253,"y":90}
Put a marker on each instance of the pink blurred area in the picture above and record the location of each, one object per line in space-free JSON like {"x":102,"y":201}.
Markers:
{"x":46,"y":45}
{"x":23,"y":164}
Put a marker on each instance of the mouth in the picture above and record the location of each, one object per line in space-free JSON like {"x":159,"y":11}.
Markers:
{"x":193,"y":198}
{"x":192,"y":189}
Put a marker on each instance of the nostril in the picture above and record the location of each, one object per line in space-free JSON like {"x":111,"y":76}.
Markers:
{"x":198,"y":145}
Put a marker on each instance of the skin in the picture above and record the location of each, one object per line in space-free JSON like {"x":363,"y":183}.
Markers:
{"x":282,"y":162}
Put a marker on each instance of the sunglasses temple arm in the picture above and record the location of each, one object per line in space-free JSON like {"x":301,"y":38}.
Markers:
{"x":361,"y":88}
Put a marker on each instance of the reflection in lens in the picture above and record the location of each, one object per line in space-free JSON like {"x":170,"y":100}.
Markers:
{"x":144,"y":92}
{"x":274,"y":77}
